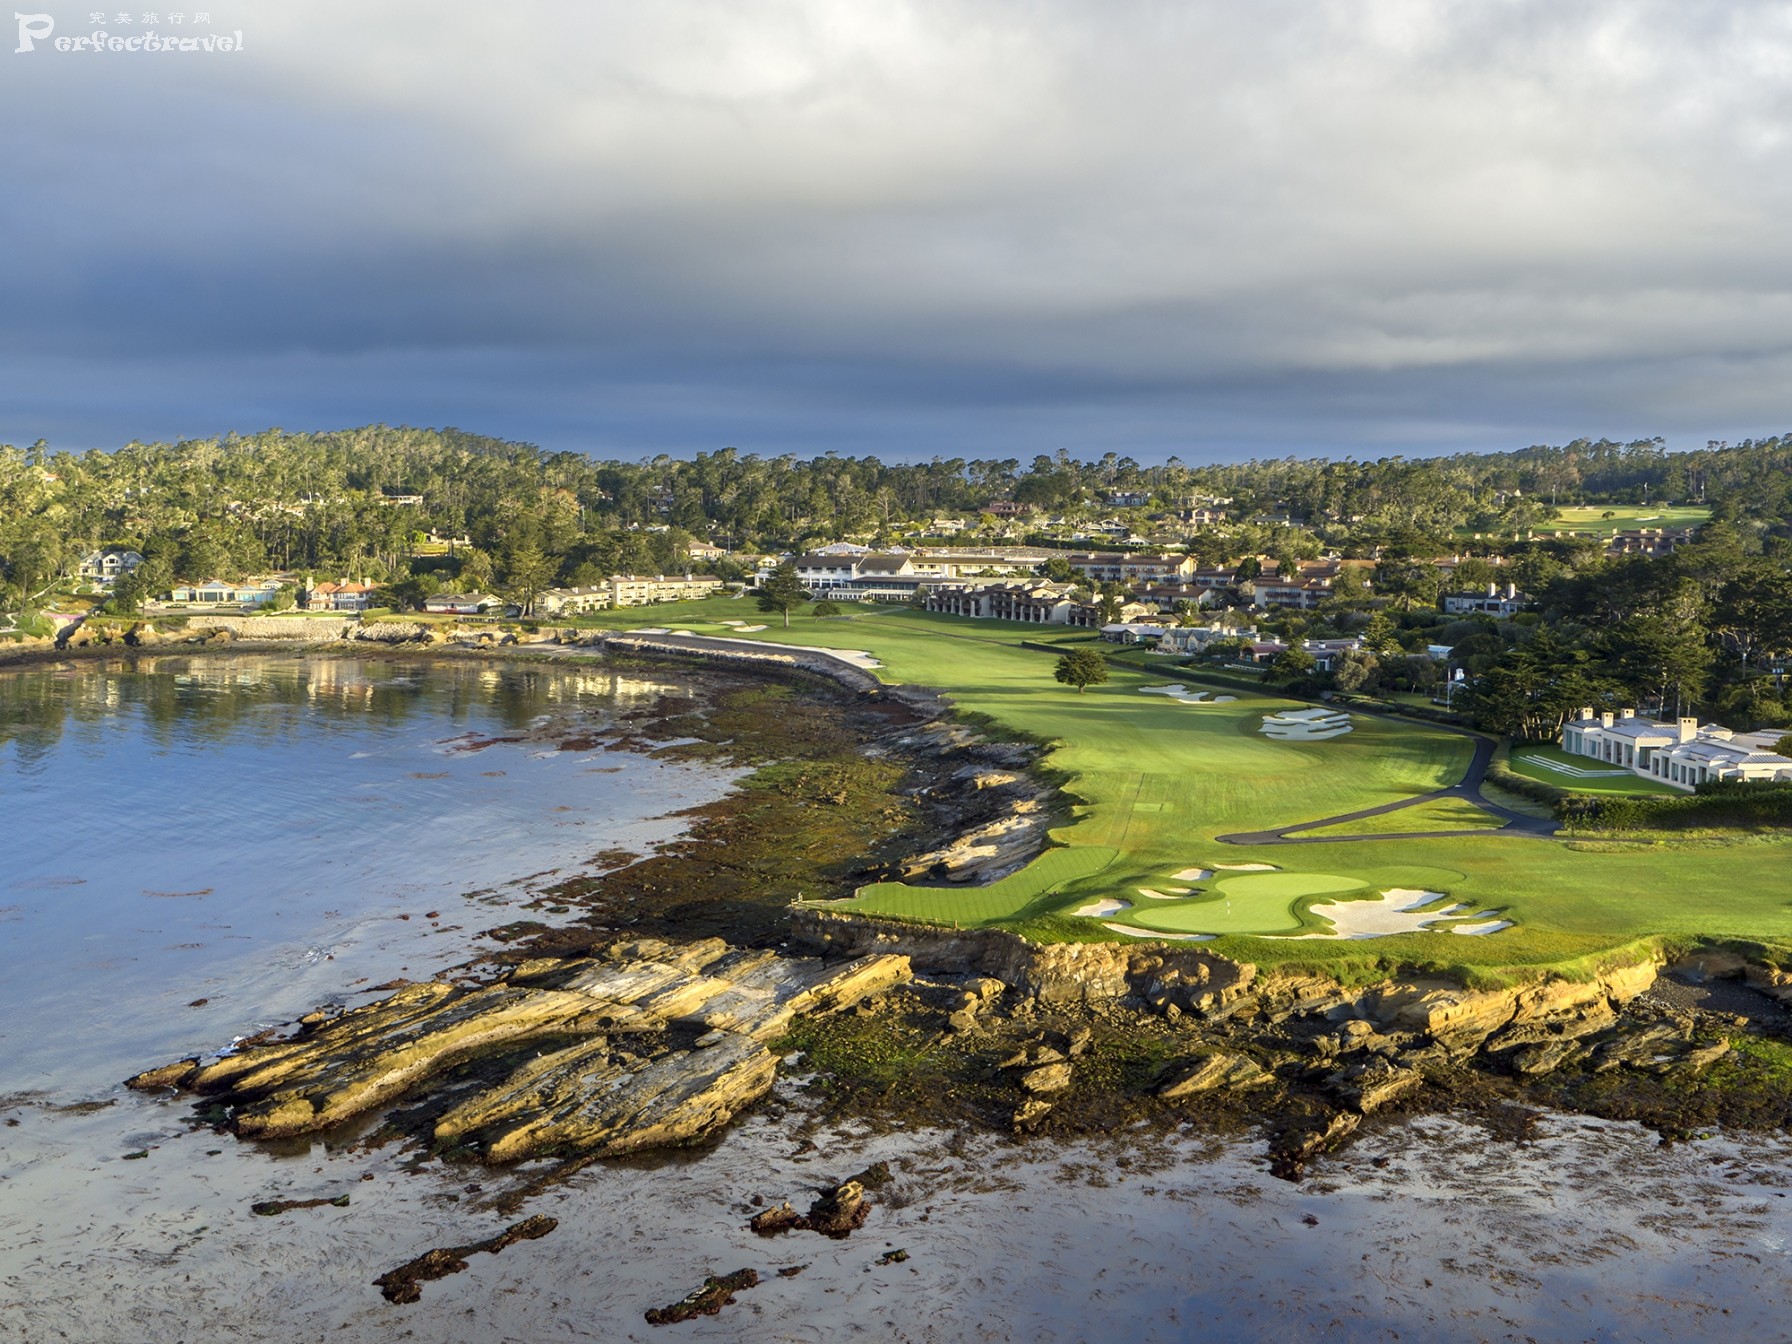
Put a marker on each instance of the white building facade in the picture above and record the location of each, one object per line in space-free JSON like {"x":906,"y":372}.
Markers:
{"x":1684,"y":753}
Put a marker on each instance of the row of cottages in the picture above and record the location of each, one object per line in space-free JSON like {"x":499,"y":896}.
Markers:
{"x":221,"y":593}
{"x":1651,"y":541}
{"x":107,"y":566}
{"x":1683,"y":753}
{"x":1496,"y":601}
{"x":1039,"y":603}
{"x":626,"y":590}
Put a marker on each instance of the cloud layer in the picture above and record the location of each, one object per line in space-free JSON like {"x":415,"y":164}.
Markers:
{"x":913,"y":228}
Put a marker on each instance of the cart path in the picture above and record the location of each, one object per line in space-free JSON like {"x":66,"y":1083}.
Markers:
{"x":1468,"y":788}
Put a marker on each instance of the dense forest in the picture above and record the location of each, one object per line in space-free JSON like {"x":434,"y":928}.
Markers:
{"x":1702,"y":628}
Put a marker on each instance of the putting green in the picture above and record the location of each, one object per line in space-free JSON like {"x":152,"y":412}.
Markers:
{"x":1248,"y":903}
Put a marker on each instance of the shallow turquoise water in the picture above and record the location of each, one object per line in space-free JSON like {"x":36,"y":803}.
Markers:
{"x":271,"y":833}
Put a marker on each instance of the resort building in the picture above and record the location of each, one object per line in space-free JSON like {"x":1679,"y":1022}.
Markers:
{"x":1039,"y":603}
{"x":625,"y":590}
{"x":1270,"y":590}
{"x":1682,"y":753}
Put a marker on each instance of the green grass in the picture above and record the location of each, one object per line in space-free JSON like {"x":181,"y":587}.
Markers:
{"x":1036,"y":885}
{"x":1591,"y":519}
{"x":1158,"y":781}
{"x":1446,"y":814}
{"x":1554,"y":766}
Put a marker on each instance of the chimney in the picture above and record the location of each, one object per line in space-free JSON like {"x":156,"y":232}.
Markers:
{"x":1627,"y":713}
{"x":1605,"y":719}
{"x":1586,"y":711}
{"x":1689,"y":729}
{"x":1511,"y":591}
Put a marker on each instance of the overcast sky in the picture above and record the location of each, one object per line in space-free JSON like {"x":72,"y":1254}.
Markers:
{"x":975,"y":227}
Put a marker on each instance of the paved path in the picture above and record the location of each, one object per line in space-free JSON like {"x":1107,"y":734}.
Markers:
{"x":1468,"y":789}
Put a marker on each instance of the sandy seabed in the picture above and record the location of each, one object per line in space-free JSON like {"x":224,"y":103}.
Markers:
{"x":1424,"y":1230}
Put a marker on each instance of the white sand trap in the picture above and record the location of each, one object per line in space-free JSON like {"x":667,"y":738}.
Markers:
{"x":1225,"y":699}
{"x":1193,"y":875}
{"x":1397,"y":910}
{"x":730,"y":622}
{"x":1173,"y":894}
{"x":1247,"y":867}
{"x":1107,"y":905}
{"x":749,"y":629}
{"x":1155,"y":937}
{"x":651,"y":630}
{"x":1178,"y":692}
{"x":1480,"y":930}
{"x":1305,"y":725}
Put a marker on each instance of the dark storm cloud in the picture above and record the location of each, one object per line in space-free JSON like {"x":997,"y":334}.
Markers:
{"x":911,"y":228}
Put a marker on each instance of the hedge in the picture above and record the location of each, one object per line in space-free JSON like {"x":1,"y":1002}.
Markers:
{"x":1720,"y":805}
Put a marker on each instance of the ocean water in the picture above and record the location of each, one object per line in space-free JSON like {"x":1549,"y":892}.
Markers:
{"x":270,"y":833}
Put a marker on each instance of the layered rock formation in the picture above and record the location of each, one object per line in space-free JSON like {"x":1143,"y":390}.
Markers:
{"x":651,"y":1045}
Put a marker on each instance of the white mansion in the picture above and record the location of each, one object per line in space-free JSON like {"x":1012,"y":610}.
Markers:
{"x":1680,"y":753}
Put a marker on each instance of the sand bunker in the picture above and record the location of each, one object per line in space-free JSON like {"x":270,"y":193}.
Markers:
{"x":730,"y":622}
{"x":1186,"y":696}
{"x":1305,"y":725}
{"x":1107,"y":905}
{"x":1479,"y":930}
{"x":1246,"y":868}
{"x":1193,"y":875}
{"x":749,"y":629}
{"x":1171,"y":937}
{"x":1398,"y":910}
{"x":1173,"y":894}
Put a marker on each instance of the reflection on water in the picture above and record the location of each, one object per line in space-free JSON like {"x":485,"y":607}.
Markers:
{"x":269,"y":833}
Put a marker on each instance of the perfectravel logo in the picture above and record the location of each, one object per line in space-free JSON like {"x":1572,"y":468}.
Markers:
{"x":163,"y":33}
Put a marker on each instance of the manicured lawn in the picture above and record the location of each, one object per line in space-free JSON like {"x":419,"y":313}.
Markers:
{"x":1035,"y":889}
{"x":1591,"y":518}
{"x":1582,"y":774}
{"x":1158,"y":780}
{"x":1447,"y":814}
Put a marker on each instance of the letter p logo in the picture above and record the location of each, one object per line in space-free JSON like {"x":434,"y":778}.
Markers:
{"x":33,"y":28}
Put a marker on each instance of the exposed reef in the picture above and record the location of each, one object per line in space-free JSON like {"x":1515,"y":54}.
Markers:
{"x":651,"y":1046}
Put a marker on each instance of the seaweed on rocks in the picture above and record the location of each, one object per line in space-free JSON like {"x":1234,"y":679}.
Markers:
{"x":716,"y":1293}
{"x":405,"y":1284}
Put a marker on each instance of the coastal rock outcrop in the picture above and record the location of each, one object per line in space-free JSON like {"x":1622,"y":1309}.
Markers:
{"x":1212,"y":1072}
{"x":649,"y":1045}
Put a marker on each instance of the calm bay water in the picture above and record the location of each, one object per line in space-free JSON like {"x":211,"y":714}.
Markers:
{"x":272,"y":833}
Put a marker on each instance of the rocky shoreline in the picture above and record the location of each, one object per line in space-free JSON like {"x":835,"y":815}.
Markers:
{"x":1021,"y":1036}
